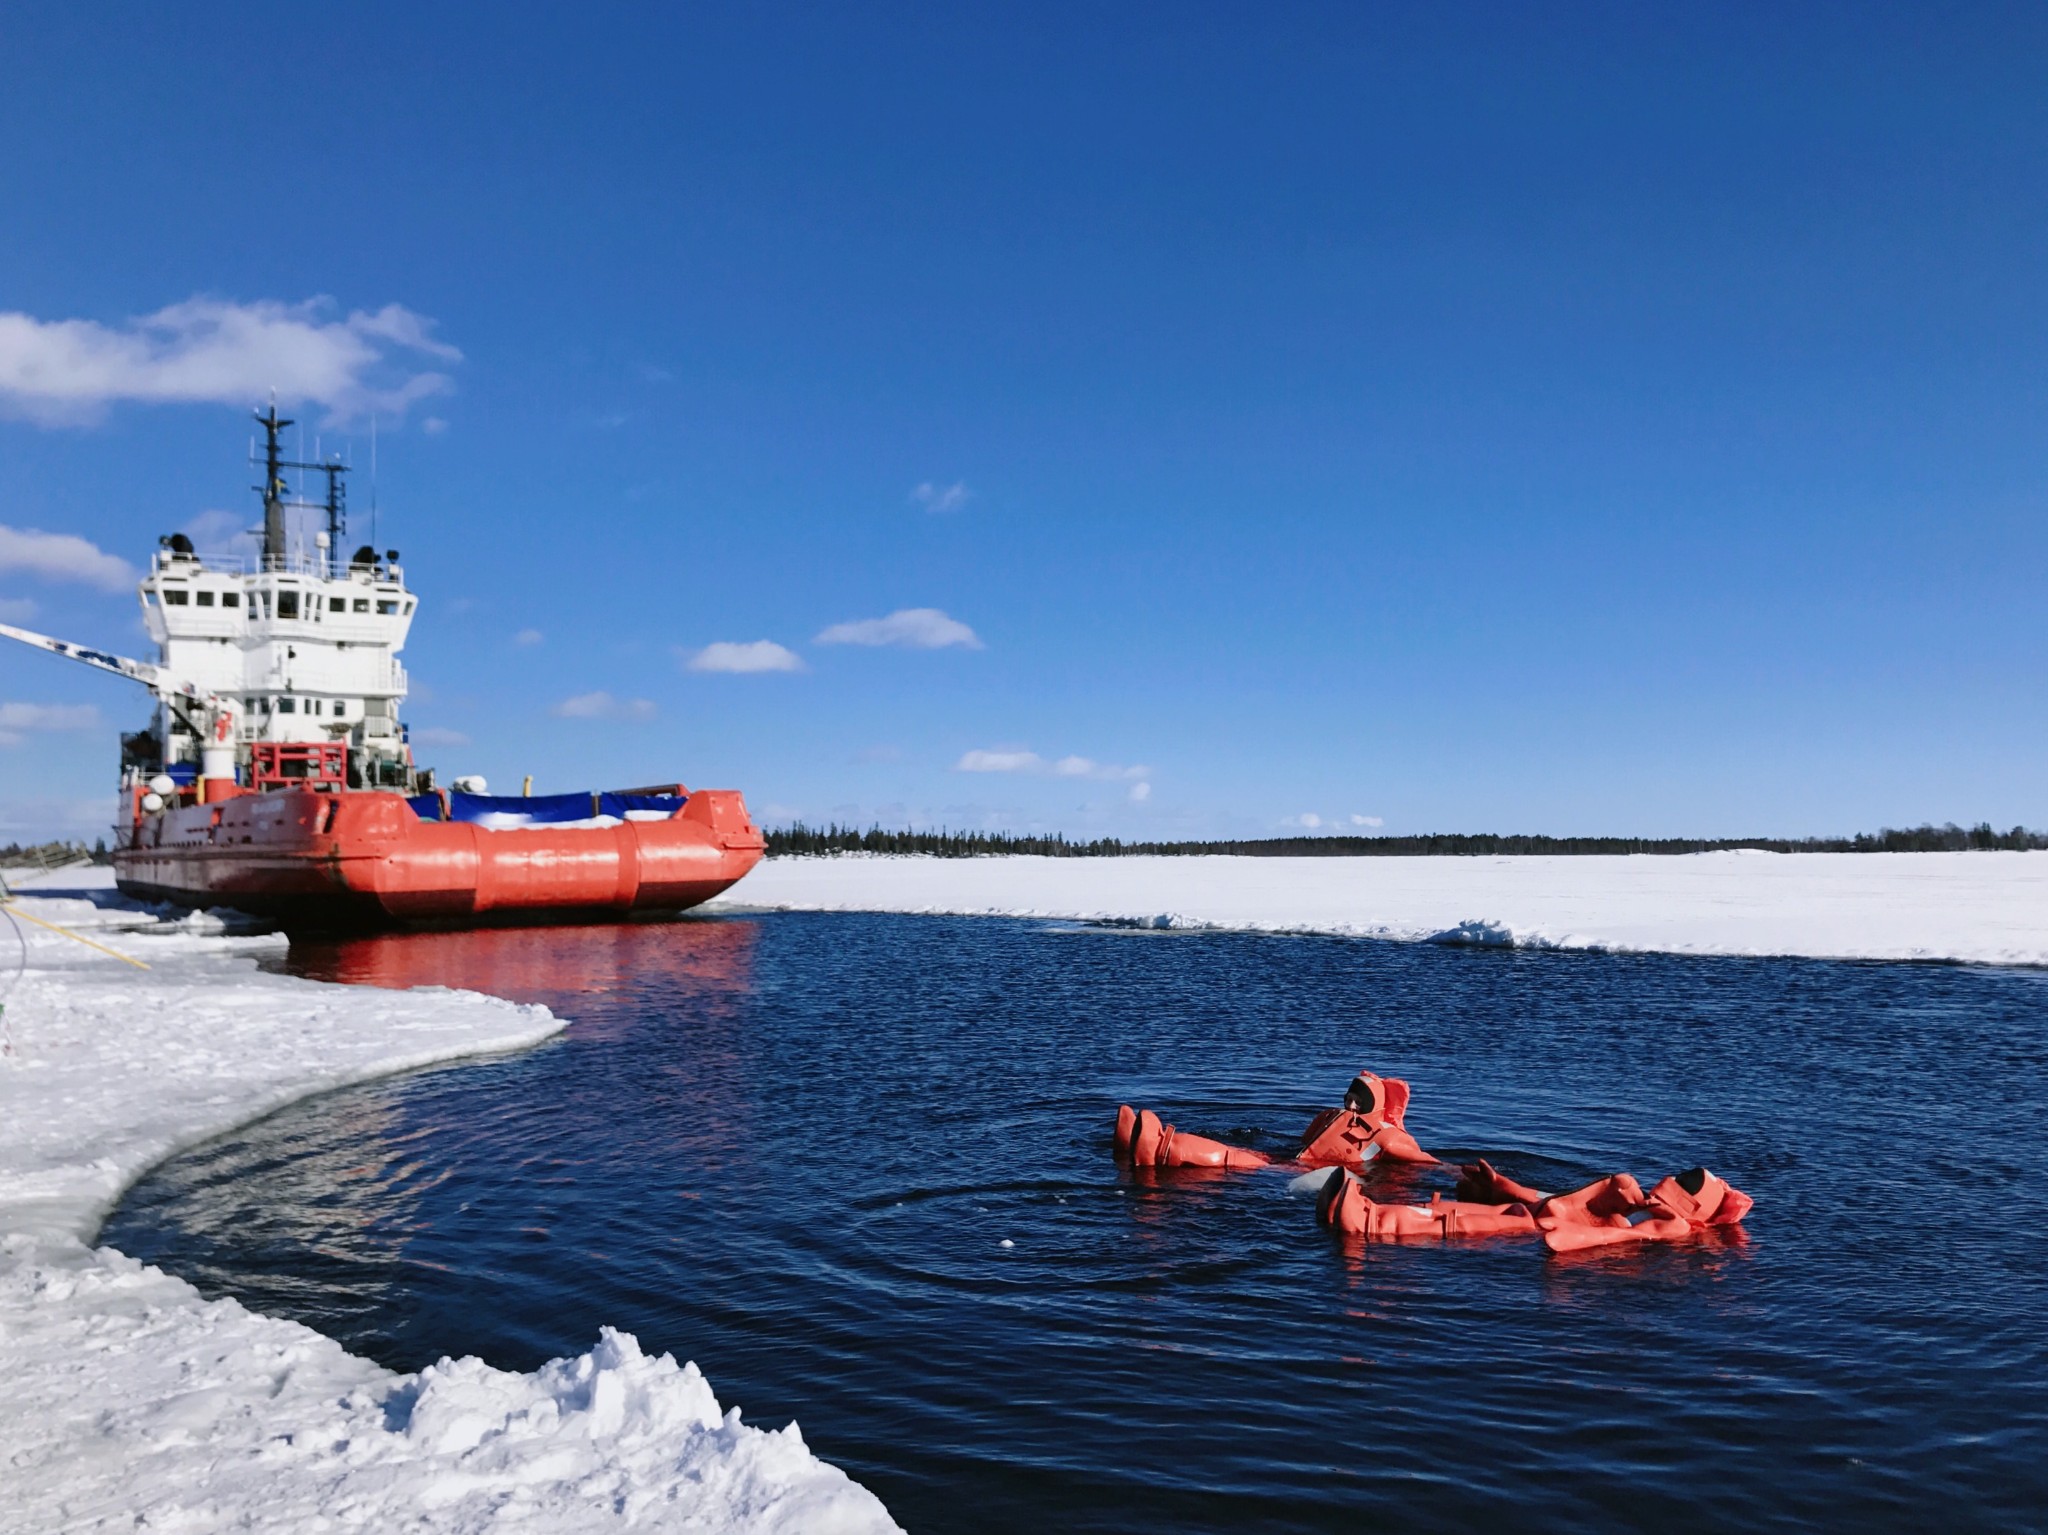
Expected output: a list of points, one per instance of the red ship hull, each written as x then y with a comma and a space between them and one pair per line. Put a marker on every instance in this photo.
321, 859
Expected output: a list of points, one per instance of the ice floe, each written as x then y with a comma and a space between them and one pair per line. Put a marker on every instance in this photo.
132, 1402
1988, 908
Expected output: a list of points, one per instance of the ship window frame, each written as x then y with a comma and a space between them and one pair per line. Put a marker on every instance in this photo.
337, 604
176, 597
287, 705
362, 604
231, 599
387, 608
203, 597
288, 604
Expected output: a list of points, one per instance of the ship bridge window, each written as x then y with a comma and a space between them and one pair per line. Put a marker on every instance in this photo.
287, 604
337, 604
340, 708
386, 608
287, 706
230, 599
362, 604
408, 606
205, 598
176, 597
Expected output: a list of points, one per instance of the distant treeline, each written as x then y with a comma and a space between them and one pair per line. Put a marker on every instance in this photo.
799, 839
49, 855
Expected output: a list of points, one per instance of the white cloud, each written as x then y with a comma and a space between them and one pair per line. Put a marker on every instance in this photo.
212, 350
1087, 767
436, 735
1140, 792
1308, 820
1000, 762
528, 637
16, 610
1015, 759
63, 557
909, 628
433, 426
942, 498
48, 717
42, 820
602, 706
746, 657
1367, 820
17, 718
226, 533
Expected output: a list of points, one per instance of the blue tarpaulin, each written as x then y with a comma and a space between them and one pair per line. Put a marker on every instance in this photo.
543, 809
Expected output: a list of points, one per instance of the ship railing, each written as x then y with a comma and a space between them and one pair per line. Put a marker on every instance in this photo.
234, 562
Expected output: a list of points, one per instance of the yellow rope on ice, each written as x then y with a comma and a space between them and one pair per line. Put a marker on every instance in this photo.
14, 907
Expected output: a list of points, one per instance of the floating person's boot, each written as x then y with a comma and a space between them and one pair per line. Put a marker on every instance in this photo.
1678, 1207
1146, 1142
1371, 1116
1126, 1130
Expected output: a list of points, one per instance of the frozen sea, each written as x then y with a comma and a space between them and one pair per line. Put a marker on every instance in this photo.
857, 1167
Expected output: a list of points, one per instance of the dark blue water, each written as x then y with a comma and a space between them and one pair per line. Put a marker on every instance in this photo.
794, 1149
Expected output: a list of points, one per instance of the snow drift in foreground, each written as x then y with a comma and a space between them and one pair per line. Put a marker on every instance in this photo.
130, 1402
1987, 908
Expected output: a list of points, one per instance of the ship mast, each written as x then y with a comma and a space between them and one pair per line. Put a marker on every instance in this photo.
276, 501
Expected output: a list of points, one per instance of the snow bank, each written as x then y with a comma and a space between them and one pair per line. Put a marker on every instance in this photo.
131, 1402
1987, 908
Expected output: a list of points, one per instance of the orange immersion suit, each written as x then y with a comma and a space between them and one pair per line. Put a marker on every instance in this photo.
1371, 1116
1368, 1125
1597, 1215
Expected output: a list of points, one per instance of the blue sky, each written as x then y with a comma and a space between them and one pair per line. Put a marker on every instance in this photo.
1575, 419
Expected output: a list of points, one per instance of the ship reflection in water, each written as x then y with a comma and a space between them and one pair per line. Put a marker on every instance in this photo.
858, 1168
708, 959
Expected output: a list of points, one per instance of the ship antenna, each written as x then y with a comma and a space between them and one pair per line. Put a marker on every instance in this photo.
373, 479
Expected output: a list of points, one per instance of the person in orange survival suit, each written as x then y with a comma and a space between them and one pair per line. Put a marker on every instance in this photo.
1596, 1215
1370, 1117
1368, 1125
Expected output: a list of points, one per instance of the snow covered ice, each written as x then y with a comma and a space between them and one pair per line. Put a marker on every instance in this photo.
1986, 908
131, 1402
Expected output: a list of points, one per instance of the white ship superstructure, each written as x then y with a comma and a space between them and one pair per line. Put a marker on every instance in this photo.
281, 665
299, 650
293, 646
